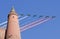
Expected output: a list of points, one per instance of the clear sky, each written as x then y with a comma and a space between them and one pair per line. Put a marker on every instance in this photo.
47, 30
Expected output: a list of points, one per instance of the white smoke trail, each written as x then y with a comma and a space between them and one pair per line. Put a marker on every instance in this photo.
5, 22
33, 24
23, 18
19, 20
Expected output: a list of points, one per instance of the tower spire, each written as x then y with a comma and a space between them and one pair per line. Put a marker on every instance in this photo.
13, 9
12, 12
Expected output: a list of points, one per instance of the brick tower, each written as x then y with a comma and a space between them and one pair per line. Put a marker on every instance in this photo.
13, 29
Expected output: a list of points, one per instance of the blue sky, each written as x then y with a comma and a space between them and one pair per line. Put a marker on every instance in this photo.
47, 30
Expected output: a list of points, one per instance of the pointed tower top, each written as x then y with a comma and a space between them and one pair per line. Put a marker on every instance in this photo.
13, 9
12, 12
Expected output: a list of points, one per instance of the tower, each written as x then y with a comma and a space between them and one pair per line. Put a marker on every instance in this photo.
13, 29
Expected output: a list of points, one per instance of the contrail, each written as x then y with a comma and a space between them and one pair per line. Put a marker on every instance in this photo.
19, 20
4, 22
23, 18
33, 24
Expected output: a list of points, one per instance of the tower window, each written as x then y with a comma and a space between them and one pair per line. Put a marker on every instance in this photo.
13, 16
